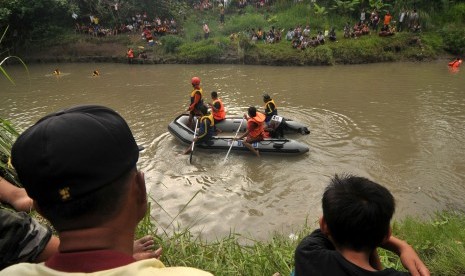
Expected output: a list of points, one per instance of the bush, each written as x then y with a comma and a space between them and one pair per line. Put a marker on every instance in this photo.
321, 55
171, 43
454, 40
203, 51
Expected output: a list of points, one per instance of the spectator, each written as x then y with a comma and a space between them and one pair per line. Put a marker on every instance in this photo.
387, 19
332, 34
79, 167
363, 16
206, 31
400, 24
320, 38
306, 31
356, 220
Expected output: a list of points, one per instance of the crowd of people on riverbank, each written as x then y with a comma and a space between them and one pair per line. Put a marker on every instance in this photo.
137, 23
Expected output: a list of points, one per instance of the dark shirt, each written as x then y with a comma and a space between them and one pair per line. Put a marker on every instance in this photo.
316, 256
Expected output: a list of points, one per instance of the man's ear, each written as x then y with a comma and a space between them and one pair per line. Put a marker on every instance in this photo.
324, 227
140, 181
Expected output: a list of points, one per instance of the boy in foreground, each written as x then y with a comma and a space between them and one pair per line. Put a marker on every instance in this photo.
356, 220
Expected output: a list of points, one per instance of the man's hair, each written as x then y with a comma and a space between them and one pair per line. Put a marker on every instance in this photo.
214, 94
357, 212
90, 210
252, 111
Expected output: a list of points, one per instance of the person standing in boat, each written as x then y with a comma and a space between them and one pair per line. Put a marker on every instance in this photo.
196, 100
270, 107
255, 129
206, 128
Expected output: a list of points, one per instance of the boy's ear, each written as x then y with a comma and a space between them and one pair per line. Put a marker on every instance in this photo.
324, 227
388, 235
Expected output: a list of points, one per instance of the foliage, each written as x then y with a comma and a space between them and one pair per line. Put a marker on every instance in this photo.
439, 241
245, 22
170, 43
203, 51
380, 5
8, 135
319, 11
454, 39
345, 6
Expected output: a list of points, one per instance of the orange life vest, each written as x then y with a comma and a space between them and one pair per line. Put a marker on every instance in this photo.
259, 119
455, 63
219, 114
130, 54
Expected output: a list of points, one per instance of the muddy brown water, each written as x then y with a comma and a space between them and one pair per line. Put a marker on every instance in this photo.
400, 124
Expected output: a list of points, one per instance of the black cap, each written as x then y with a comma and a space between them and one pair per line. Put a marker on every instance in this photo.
73, 152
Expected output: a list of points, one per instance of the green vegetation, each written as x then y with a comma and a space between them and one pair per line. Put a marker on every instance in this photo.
440, 242
442, 25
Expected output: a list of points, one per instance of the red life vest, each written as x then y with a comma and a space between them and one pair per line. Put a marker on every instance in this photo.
259, 120
219, 114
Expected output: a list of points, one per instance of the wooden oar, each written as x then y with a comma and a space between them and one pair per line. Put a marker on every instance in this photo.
193, 140
232, 142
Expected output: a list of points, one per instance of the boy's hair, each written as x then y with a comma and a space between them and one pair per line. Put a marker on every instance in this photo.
252, 111
357, 212
214, 94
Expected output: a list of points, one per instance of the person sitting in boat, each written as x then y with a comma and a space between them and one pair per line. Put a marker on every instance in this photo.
456, 62
218, 111
276, 127
270, 107
196, 100
217, 106
206, 128
255, 129
56, 72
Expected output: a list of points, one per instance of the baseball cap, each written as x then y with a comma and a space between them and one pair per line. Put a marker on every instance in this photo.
73, 152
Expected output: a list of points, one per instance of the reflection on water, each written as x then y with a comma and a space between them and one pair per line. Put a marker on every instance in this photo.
399, 124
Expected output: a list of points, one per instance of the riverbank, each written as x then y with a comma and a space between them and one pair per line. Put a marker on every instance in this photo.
367, 49
440, 243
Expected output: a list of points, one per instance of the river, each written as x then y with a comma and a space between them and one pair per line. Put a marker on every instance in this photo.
400, 124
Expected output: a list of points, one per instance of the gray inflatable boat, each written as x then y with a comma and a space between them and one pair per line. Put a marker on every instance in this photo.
222, 141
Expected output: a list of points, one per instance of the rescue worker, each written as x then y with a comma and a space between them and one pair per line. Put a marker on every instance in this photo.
206, 128
196, 99
255, 129
218, 111
219, 114
270, 107
130, 55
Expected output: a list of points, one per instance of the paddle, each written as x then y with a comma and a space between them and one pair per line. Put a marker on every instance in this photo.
193, 140
232, 142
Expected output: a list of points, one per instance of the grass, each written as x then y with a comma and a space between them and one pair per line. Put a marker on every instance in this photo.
440, 243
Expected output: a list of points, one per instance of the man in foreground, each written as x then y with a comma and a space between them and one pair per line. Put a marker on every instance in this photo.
79, 167
356, 220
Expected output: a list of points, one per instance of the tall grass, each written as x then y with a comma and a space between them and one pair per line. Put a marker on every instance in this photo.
440, 243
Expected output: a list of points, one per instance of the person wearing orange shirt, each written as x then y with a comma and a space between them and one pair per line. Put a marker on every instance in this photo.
255, 129
387, 19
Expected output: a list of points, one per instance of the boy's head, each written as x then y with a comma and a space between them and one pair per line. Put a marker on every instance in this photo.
252, 111
357, 212
214, 95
